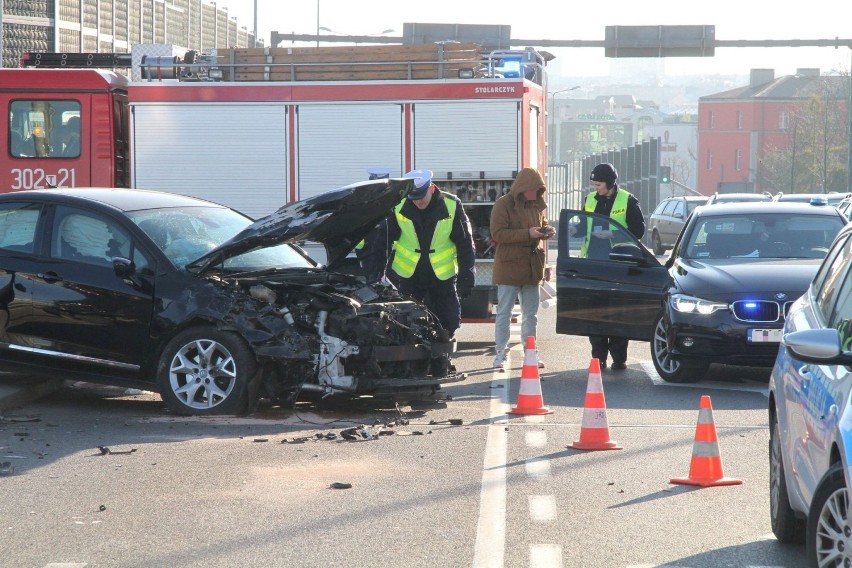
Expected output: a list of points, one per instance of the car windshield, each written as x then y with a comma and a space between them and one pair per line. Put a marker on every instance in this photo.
765, 235
185, 234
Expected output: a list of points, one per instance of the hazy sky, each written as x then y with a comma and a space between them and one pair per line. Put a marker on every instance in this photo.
569, 20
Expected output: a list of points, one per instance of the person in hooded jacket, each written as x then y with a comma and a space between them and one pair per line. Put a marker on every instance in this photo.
519, 227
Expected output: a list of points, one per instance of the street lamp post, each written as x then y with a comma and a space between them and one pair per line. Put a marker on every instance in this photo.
552, 110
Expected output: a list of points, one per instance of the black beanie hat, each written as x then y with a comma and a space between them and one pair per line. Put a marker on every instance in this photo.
606, 173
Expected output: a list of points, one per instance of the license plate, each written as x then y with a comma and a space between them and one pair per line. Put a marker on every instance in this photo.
764, 335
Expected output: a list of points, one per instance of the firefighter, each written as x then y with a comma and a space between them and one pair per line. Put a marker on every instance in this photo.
432, 256
607, 199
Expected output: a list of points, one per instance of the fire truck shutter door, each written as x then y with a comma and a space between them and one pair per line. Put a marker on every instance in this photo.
234, 154
338, 143
467, 136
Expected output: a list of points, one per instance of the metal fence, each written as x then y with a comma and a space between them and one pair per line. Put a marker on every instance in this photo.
638, 169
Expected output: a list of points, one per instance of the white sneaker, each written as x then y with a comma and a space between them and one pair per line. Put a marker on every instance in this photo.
499, 360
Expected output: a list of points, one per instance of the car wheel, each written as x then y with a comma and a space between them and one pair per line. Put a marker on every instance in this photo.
657, 244
828, 521
206, 371
786, 525
670, 369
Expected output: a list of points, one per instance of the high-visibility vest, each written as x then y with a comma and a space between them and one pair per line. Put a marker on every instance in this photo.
617, 214
442, 251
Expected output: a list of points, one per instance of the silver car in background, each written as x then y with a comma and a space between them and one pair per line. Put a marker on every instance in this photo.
810, 416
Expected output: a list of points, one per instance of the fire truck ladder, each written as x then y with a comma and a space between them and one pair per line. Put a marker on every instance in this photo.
76, 60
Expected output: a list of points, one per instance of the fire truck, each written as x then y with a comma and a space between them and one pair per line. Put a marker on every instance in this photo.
257, 128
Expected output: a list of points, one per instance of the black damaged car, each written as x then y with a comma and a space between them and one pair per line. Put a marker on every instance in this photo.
201, 304
721, 297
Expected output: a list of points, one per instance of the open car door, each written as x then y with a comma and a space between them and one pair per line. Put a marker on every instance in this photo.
607, 282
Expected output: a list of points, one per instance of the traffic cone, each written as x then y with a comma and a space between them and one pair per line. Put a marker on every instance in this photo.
594, 433
705, 469
530, 400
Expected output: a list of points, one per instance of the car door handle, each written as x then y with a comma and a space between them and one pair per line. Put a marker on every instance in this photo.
570, 273
50, 276
832, 410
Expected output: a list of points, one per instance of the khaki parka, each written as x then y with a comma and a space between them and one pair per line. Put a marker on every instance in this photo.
519, 260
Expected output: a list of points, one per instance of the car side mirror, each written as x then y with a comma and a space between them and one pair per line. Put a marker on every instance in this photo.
678, 215
820, 346
123, 267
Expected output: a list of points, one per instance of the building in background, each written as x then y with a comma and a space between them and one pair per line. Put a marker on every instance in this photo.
113, 26
787, 134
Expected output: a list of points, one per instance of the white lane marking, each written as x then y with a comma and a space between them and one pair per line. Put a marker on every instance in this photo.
542, 508
545, 556
536, 438
66, 565
490, 545
534, 418
537, 467
649, 369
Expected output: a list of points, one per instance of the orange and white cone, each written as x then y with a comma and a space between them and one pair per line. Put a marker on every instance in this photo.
530, 400
594, 433
705, 469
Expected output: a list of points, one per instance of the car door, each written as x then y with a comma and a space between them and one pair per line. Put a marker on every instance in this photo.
607, 282
19, 263
87, 315
674, 221
821, 391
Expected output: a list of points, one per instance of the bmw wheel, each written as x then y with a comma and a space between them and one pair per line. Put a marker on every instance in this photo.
206, 371
670, 369
787, 527
828, 521
657, 244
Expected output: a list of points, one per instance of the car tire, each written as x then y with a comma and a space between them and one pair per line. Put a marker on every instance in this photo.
657, 244
787, 526
205, 371
828, 518
670, 369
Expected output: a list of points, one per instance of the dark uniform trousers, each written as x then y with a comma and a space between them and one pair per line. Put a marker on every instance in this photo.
616, 346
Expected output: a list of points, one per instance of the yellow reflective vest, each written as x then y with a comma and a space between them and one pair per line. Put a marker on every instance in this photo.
617, 214
442, 251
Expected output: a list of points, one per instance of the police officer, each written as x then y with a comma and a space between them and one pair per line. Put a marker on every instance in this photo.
433, 252
623, 208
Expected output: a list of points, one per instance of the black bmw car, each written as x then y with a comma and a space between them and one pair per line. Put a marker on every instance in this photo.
201, 304
721, 297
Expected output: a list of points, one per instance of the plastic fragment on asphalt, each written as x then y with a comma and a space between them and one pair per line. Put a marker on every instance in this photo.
339, 485
106, 450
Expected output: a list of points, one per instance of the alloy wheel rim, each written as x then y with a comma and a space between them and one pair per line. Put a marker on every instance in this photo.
661, 350
833, 533
202, 374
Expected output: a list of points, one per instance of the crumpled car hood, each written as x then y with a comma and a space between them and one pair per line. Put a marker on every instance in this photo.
338, 219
